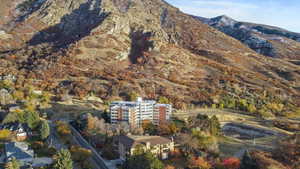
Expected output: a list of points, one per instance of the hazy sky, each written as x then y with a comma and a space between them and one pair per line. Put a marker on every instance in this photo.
282, 13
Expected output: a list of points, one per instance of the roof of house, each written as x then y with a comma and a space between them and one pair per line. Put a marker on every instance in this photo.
18, 150
131, 140
15, 126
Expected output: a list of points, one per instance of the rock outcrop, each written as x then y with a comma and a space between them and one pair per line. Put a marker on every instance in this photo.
266, 40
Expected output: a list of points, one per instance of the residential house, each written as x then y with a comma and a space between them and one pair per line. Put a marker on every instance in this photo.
157, 145
22, 131
20, 151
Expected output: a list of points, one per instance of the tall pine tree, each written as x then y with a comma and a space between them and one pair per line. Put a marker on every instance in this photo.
44, 130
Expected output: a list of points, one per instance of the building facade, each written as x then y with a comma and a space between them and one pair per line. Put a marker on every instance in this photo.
157, 145
138, 112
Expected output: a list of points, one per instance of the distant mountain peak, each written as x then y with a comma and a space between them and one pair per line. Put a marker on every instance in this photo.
264, 39
222, 20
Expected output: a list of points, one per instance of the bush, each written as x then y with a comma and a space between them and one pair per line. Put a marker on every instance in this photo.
265, 114
80, 154
5, 135
163, 100
133, 96
37, 145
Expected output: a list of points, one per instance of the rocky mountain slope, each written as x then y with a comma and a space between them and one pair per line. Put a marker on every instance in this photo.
264, 39
115, 47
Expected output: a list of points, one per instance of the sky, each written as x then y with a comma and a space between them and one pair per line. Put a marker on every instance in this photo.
281, 13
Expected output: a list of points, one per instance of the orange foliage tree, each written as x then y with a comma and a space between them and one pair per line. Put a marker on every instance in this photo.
198, 162
232, 163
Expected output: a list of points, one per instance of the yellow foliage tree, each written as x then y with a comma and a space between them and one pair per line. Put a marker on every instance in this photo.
5, 135
18, 95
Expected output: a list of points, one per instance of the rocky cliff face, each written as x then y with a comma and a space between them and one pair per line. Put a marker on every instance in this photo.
266, 40
114, 47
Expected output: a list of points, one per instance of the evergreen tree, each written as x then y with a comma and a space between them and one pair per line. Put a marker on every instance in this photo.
247, 161
63, 160
144, 160
44, 130
215, 126
32, 118
13, 164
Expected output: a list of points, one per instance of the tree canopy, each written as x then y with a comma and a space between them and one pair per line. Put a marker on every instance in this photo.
44, 130
63, 160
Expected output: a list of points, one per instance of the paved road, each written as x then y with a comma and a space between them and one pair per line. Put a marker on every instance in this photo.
53, 138
95, 156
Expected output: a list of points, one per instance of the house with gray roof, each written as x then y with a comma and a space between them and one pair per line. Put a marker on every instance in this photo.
20, 151
157, 145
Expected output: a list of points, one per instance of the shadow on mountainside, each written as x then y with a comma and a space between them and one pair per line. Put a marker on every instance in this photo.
72, 27
140, 45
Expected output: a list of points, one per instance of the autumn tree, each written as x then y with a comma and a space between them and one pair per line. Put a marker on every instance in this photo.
173, 128
150, 128
18, 95
95, 124
163, 129
189, 143
80, 153
163, 100
137, 131
169, 167
45, 99
232, 163
90, 122
132, 96
198, 163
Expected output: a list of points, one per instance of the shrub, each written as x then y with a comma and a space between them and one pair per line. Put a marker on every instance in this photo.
5, 135
163, 100
80, 153
37, 145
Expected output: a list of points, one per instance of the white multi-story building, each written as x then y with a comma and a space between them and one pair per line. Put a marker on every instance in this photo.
140, 111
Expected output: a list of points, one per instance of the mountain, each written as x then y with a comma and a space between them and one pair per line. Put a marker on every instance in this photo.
116, 47
266, 40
